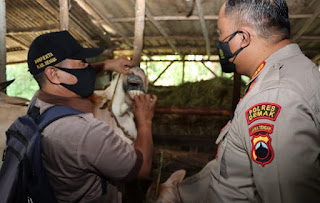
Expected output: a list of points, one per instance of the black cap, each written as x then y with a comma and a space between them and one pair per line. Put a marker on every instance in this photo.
52, 48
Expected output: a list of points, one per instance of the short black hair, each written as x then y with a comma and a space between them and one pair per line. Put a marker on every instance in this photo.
269, 18
40, 78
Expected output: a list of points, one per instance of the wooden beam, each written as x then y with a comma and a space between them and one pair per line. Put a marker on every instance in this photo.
307, 24
97, 20
203, 27
185, 37
81, 32
73, 25
163, 72
191, 18
49, 8
188, 60
98, 10
204, 111
163, 18
180, 37
17, 62
309, 37
31, 30
3, 30
162, 31
182, 48
140, 9
64, 14
24, 46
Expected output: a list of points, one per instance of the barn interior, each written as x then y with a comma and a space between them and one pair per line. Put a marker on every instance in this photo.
189, 115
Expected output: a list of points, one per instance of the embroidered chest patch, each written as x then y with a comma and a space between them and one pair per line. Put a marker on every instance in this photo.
261, 152
263, 110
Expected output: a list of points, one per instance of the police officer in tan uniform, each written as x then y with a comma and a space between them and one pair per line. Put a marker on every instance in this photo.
270, 149
78, 150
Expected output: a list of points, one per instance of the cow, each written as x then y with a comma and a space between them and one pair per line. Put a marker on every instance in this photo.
114, 105
178, 190
10, 109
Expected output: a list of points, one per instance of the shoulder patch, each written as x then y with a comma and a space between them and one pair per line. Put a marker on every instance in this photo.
263, 111
261, 152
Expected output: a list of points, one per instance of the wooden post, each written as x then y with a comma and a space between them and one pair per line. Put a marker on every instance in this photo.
3, 50
183, 67
138, 31
64, 14
203, 27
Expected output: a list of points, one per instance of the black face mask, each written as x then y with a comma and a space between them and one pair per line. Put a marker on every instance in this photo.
86, 80
225, 54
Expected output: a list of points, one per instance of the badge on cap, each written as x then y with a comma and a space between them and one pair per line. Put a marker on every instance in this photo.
45, 60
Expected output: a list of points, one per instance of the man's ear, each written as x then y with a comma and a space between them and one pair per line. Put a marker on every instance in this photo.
246, 37
51, 74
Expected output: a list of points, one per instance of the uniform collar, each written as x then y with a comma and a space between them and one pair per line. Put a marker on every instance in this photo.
251, 83
285, 52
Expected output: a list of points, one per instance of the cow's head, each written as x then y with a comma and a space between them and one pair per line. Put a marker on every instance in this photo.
120, 93
166, 192
135, 83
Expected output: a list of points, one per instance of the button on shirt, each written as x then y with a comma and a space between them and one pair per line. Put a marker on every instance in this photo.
270, 150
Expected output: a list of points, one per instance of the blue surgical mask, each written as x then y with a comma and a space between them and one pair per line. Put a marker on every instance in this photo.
225, 54
86, 80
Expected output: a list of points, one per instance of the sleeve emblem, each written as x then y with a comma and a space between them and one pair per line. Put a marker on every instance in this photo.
263, 111
261, 152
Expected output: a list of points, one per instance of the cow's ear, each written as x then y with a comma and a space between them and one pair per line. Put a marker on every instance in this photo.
176, 177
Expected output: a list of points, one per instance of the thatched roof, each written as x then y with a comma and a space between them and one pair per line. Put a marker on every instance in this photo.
168, 30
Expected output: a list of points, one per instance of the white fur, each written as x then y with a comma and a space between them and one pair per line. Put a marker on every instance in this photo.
122, 106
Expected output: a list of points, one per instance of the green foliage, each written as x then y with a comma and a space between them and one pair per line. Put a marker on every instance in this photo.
215, 93
173, 76
24, 85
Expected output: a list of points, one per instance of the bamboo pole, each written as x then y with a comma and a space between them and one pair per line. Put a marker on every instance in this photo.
138, 31
203, 27
64, 14
3, 30
183, 69
162, 72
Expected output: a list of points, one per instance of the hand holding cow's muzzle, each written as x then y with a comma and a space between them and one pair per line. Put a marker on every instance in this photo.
144, 106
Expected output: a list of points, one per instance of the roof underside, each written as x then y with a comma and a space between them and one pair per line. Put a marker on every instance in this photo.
168, 30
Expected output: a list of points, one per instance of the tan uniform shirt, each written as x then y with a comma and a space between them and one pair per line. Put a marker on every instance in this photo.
77, 150
270, 150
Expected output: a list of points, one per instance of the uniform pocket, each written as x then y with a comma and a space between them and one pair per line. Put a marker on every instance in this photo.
222, 142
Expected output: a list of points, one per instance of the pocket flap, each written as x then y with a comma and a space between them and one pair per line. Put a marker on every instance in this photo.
223, 132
